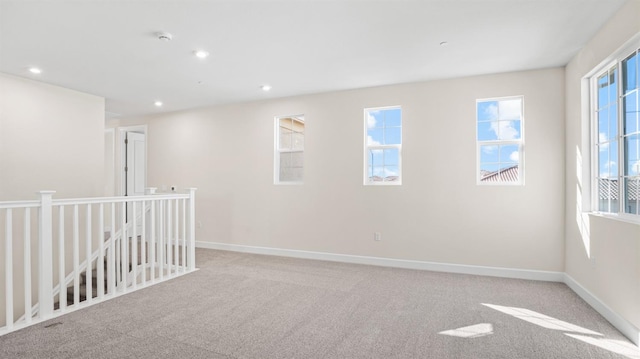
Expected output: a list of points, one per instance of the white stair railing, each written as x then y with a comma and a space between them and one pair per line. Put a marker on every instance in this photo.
156, 244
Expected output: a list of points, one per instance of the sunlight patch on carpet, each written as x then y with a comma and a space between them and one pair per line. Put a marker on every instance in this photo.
615, 346
542, 320
472, 331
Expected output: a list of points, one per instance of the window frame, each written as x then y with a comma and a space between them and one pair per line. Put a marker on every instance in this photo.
498, 142
367, 147
278, 151
615, 61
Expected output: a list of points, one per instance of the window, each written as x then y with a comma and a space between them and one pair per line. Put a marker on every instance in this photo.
500, 140
616, 136
383, 146
289, 156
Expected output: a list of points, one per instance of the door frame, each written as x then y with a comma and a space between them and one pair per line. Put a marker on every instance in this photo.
122, 157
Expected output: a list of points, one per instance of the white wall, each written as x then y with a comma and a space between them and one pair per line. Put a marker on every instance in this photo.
438, 214
51, 138
602, 254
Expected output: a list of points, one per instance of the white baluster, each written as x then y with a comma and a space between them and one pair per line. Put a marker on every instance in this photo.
111, 266
100, 259
152, 245
184, 235
124, 270
8, 269
176, 238
192, 228
45, 255
76, 256
27, 265
134, 244
169, 235
88, 286
62, 297
143, 244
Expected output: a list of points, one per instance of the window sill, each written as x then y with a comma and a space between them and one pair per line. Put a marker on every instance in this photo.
375, 184
617, 217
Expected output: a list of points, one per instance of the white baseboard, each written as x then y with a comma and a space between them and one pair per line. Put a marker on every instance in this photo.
626, 328
389, 262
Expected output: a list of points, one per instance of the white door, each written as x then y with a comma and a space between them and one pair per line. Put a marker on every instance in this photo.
135, 170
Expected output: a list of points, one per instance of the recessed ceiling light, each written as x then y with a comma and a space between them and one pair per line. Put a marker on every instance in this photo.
35, 70
201, 54
158, 103
265, 88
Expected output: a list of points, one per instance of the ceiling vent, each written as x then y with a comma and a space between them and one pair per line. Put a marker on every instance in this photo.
164, 36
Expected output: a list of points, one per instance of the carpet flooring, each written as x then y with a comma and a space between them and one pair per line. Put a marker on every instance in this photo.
251, 306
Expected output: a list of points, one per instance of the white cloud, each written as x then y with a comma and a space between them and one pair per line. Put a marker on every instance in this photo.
372, 142
371, 120
504, 130
608, 166
602, 137
510, 109
491, 112
388, 172
515, 156
489, 149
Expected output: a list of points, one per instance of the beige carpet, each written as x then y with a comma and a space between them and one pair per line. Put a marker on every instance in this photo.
252, 306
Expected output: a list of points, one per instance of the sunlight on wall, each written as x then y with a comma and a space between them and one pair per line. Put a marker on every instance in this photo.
472, 331
582, 218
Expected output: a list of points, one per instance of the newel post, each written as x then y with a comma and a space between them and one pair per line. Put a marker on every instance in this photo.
45, 254
192, 228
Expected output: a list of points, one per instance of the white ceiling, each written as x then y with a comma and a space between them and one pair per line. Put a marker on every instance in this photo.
110, 48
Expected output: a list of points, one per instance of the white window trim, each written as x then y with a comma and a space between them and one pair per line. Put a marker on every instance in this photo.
615, 59
366, 181
520, 143
277, 151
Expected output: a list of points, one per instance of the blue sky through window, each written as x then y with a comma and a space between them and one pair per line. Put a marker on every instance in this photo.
499, 132
384, 136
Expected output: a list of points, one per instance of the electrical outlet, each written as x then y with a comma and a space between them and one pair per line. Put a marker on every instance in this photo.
377, 236
199, 224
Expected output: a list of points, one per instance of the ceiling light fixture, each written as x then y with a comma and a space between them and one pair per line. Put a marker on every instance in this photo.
265, 88
35, 70
164, 36
201, 54
444, 43
158, 103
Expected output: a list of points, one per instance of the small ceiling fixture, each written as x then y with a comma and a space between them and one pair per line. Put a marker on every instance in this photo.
164, 36
35, 70
444, 43
265, 88
158, 103
201, 54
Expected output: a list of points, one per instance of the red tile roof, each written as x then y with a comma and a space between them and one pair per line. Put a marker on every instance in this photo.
508, 174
